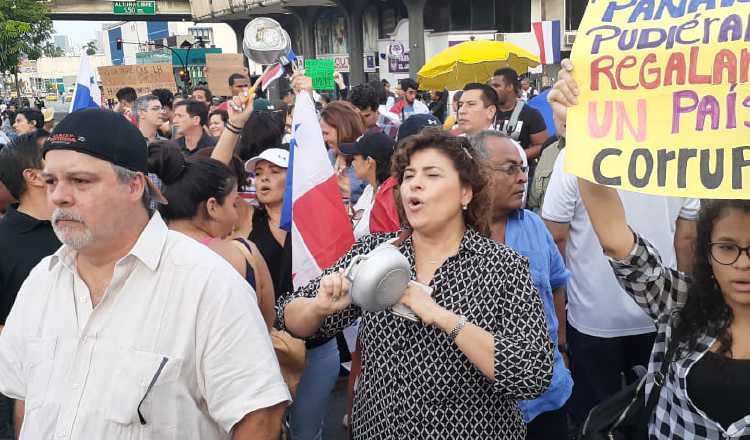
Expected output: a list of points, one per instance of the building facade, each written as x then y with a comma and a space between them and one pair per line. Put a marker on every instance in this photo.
393, 38
215, 35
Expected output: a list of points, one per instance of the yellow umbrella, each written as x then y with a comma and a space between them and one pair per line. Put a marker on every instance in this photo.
473, 61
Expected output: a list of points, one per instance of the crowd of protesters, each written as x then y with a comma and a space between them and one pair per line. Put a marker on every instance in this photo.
169, 310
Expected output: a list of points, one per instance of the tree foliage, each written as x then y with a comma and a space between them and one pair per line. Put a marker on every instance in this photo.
90, 47
24, 29
52, 51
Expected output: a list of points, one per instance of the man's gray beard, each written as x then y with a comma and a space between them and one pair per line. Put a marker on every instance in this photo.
75, 240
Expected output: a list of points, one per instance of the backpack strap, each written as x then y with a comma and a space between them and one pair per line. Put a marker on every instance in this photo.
513, 121
661, 377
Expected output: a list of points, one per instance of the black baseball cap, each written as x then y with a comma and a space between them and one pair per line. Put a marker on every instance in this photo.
106, 135
416, 123
376, 145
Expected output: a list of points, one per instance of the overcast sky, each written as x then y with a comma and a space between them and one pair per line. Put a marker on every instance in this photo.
79, 32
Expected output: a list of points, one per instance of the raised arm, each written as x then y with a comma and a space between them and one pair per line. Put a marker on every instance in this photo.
228, 140
608, 218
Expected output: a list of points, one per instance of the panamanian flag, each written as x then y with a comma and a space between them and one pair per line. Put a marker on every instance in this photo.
313, 209
87, 93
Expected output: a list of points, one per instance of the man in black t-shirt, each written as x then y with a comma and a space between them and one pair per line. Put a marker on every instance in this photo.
528, 127
25, 233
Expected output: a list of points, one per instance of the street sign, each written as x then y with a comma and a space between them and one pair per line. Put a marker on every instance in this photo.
134, 7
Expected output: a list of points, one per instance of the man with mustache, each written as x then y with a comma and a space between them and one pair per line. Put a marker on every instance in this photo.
26, 235
525, 232
131, 330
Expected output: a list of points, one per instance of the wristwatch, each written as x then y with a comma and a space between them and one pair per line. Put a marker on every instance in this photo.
459, 326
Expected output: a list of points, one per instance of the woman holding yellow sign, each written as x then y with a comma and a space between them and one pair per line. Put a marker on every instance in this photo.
702, 350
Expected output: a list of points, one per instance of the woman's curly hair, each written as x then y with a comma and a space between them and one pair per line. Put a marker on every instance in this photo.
472, 171
706, 310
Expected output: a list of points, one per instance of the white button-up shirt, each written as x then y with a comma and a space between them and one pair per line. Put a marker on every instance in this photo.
177, 348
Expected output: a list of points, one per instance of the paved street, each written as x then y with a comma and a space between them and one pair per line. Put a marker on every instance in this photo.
61, 108
333, 429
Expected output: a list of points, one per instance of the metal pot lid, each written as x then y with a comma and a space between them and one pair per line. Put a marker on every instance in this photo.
264, 40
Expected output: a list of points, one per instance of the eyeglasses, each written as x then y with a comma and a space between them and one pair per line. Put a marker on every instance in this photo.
727, 253
156, 109
512, 169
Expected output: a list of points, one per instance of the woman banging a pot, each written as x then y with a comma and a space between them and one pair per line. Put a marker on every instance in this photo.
481, 342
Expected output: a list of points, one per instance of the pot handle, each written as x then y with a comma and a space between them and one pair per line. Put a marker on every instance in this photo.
352, 264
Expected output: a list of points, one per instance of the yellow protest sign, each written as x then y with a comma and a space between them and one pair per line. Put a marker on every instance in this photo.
665, 99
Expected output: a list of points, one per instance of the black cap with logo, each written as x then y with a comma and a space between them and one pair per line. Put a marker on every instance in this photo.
105, 135
376, 145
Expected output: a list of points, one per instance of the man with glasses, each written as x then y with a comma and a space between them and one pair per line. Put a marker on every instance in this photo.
525, 232
608, 333
149, 115
410, 105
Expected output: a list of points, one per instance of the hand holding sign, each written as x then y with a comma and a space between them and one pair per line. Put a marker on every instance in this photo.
322, 73
665, 98
565, 92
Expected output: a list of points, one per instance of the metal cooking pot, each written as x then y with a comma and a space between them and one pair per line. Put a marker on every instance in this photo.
379, 278
265, 41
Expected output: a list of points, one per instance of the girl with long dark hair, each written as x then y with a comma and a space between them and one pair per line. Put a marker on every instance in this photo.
705, 315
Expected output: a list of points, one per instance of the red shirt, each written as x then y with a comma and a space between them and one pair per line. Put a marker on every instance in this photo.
384, 215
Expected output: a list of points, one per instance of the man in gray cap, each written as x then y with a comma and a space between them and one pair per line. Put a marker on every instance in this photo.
131, 330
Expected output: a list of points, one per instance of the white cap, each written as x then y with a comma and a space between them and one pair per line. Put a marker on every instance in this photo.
276, 156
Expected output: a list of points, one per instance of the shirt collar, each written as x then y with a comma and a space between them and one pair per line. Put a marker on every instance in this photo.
148, 248
21, 221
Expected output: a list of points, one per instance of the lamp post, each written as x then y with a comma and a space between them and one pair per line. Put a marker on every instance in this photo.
184, 71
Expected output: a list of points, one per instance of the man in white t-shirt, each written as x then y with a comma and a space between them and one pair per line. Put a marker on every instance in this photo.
608, 334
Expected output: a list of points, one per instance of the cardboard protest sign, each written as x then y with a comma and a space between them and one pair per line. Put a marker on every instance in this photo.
142, 77
665, 99
218, 69
321, 72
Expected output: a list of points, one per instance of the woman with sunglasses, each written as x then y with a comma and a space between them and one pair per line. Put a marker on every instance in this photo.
706, 394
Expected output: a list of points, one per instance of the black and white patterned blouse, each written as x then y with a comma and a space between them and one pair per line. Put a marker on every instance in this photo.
416, 383
662, 292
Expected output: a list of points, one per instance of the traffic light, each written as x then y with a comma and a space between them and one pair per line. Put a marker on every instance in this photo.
184, 75
119, 44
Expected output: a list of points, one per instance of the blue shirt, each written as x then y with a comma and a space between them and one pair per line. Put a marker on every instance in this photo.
526, 233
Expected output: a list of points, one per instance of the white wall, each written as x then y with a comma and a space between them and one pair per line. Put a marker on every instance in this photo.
434, 43
224, 36
61, 67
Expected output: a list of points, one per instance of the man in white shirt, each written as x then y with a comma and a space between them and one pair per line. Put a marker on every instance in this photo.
608, 333
131, 330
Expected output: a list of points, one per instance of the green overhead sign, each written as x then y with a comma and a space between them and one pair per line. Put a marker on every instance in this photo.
134, 8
